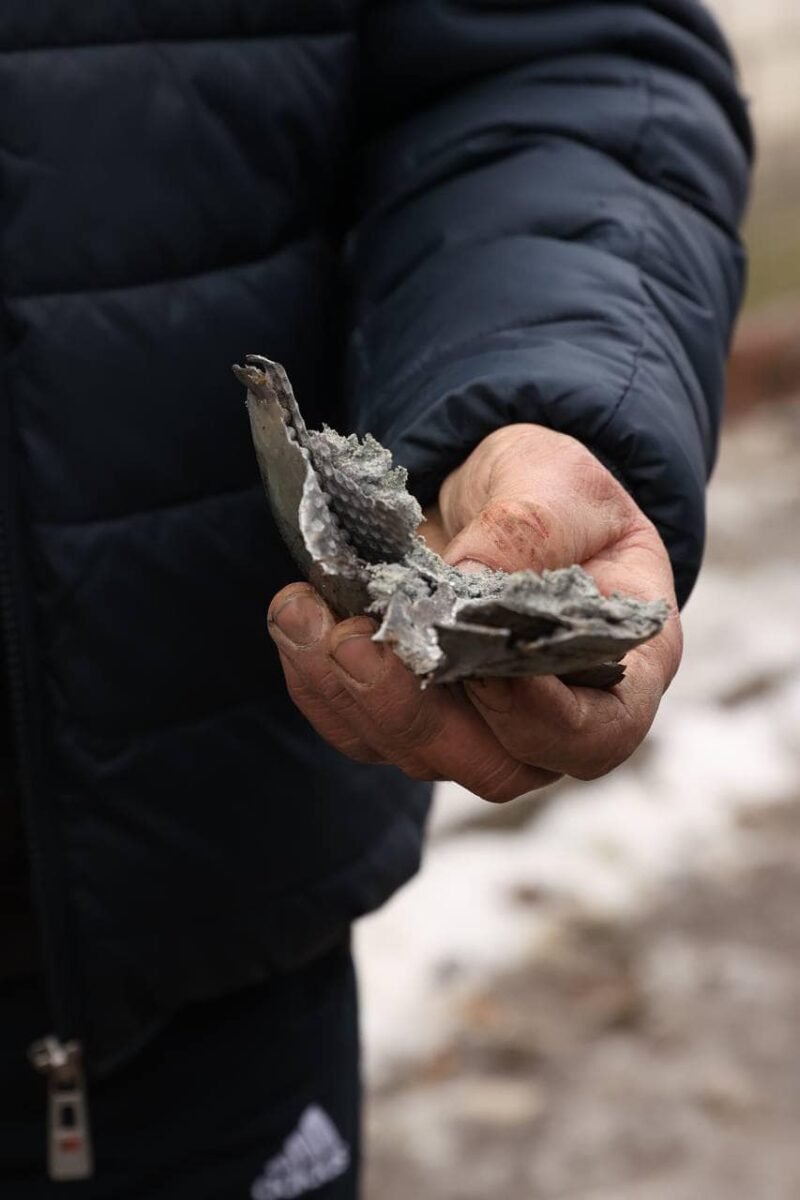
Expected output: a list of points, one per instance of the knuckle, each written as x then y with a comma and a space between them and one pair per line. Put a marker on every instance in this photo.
323, 688
353, 627
325, 708
603, 758
505, 781
602, 734
588, 771
408, 723
518, 531
298, 690
527, 743
576, 716
419, 770
329, 688
298, 695
597, 481
502, 446
290, 592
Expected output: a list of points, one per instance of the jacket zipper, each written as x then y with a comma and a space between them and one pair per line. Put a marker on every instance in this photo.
69, 1141
52, 939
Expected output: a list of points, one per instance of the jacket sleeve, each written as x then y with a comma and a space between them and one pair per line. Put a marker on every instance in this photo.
547, 232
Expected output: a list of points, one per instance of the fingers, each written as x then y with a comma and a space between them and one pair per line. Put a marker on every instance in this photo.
578, 731
585, 732
430, 733
299, 622
638, 565
361, 698
513, 736
526, 497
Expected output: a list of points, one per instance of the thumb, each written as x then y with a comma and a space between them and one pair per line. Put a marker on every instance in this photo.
513, 535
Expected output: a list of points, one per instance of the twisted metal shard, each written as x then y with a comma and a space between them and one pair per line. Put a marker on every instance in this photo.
351, 527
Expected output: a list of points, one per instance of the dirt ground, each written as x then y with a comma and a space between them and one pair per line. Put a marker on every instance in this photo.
659, 1061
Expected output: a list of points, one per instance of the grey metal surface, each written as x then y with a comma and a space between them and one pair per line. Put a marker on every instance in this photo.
344, 512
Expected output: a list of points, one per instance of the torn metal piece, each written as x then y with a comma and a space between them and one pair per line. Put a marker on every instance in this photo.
344, 512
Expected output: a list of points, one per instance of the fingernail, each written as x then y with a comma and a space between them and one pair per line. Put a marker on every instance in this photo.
494, 694
300, 620
360, 658
471, 566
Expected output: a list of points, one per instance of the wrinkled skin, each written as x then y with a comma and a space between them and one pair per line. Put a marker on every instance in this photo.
525, 497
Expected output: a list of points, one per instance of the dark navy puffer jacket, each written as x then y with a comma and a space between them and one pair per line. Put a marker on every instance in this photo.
543, 229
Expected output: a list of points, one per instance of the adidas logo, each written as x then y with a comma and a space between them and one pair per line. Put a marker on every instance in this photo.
312, 1155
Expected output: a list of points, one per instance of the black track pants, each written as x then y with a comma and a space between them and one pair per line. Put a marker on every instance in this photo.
254, 1097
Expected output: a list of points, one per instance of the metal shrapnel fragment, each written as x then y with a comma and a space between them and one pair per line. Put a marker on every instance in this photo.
351, 526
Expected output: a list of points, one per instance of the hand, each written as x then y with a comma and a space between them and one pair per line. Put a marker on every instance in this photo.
525, 497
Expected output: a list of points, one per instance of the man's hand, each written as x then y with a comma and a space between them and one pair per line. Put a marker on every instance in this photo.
525, 497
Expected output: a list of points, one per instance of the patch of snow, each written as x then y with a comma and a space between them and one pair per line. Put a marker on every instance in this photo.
727, 739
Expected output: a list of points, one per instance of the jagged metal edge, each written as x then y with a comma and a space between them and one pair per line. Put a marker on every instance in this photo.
433, 616
300, 508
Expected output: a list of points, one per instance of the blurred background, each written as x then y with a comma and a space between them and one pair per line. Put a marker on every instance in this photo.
595, 995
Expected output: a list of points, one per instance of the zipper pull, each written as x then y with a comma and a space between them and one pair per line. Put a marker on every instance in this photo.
69, 1140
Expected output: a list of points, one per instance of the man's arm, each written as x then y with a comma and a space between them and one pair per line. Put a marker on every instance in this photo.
550, 208
546, 275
